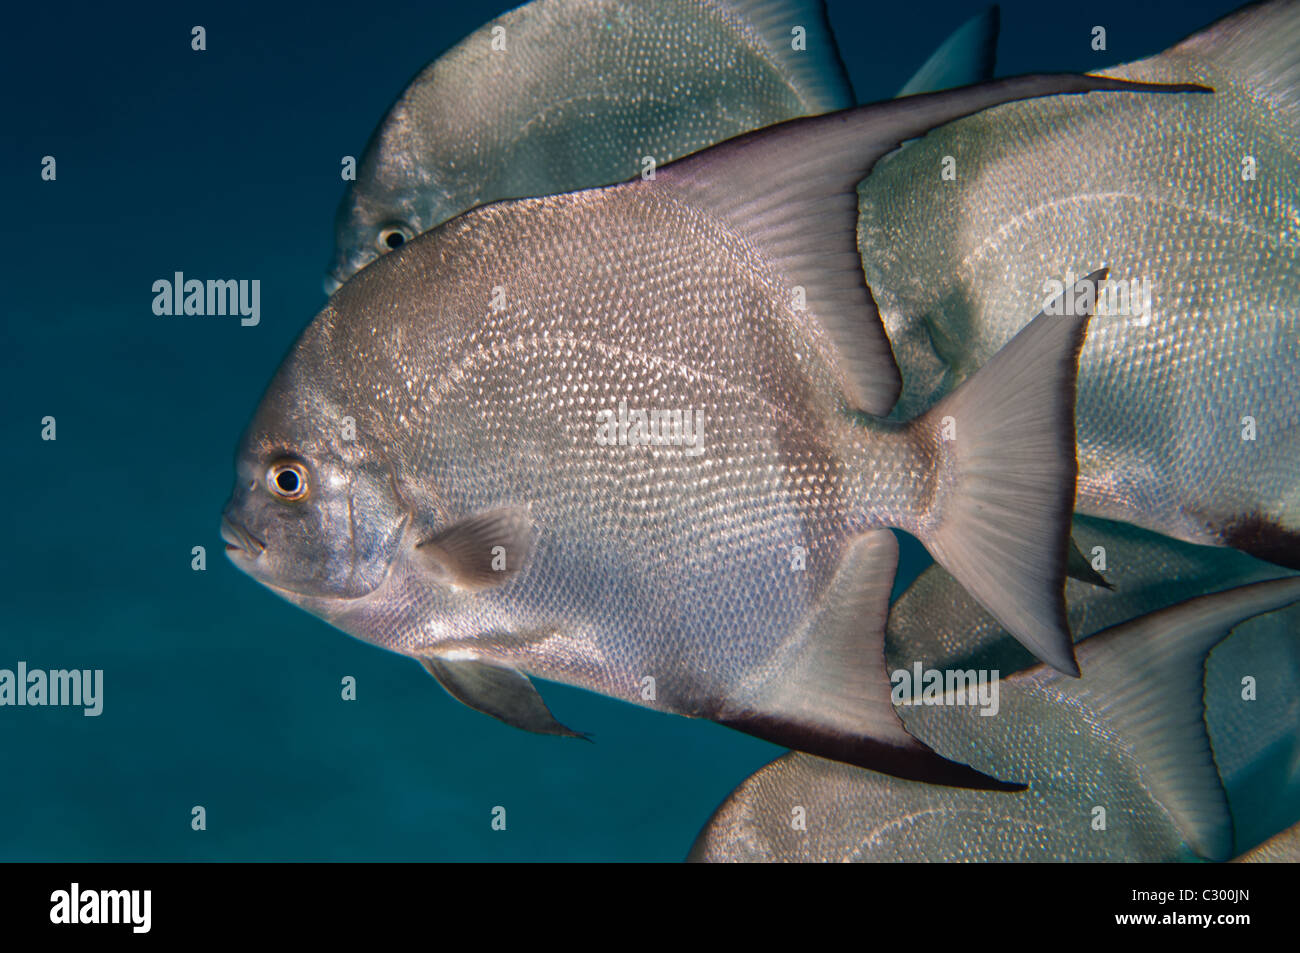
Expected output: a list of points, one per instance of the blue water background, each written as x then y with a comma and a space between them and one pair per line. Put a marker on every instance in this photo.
226, 164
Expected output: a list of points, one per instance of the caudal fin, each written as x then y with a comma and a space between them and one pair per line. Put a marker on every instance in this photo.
1004, 446
1148, 676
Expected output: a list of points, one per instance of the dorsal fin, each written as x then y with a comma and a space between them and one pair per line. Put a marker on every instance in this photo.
966, 57
833, 696
790, 189
815, 70
1148, 676
1260, 43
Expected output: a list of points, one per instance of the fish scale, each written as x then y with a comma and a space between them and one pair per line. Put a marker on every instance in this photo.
583, 90
1153, 188
470, 501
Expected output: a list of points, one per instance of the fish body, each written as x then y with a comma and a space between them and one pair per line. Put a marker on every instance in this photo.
629, 439
1118, 763
1283, 848
559, 95
1188, 417
1252, 706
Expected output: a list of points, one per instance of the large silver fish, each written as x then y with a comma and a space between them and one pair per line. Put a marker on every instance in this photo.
559, 95
624, 439
1119, 763
1193, 200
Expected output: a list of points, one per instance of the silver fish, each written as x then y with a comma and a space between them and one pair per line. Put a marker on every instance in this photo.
1283, 848
586, 89
624, 439
1119, 763
1256, 741
559, 95
1200, 327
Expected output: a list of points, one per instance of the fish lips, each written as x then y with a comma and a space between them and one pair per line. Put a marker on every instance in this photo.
240, 542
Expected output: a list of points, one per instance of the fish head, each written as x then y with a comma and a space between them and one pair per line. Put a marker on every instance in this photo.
316, 514
398, 193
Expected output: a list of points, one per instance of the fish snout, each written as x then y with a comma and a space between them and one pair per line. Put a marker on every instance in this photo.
239, 539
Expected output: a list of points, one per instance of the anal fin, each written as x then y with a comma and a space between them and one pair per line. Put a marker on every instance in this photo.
832, 698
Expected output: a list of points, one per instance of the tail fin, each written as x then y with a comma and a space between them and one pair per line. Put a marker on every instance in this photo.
1149, 677
1005, 439
791, 189
832, 696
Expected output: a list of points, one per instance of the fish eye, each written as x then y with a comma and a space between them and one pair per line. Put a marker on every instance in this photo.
392, 237
287, 479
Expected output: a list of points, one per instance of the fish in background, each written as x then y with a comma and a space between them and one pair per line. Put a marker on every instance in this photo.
630, 439
1188, 410
1283, 848
1119, 763
1256, 742
584, 90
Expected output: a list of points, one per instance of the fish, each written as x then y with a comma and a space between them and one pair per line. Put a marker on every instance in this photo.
1282, 848
1188, 417
1118, 763
630, 439
1256, 742
558, 95
585, 90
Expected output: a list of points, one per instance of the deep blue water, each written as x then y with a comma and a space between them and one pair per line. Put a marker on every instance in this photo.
225, 163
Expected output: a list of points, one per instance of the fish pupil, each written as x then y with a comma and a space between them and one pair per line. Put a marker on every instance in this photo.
395, 240
287, 481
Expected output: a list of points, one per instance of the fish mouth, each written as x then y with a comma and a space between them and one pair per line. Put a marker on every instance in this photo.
239, 539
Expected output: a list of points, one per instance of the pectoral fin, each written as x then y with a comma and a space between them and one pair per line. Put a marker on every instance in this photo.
501, 692
483, 550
